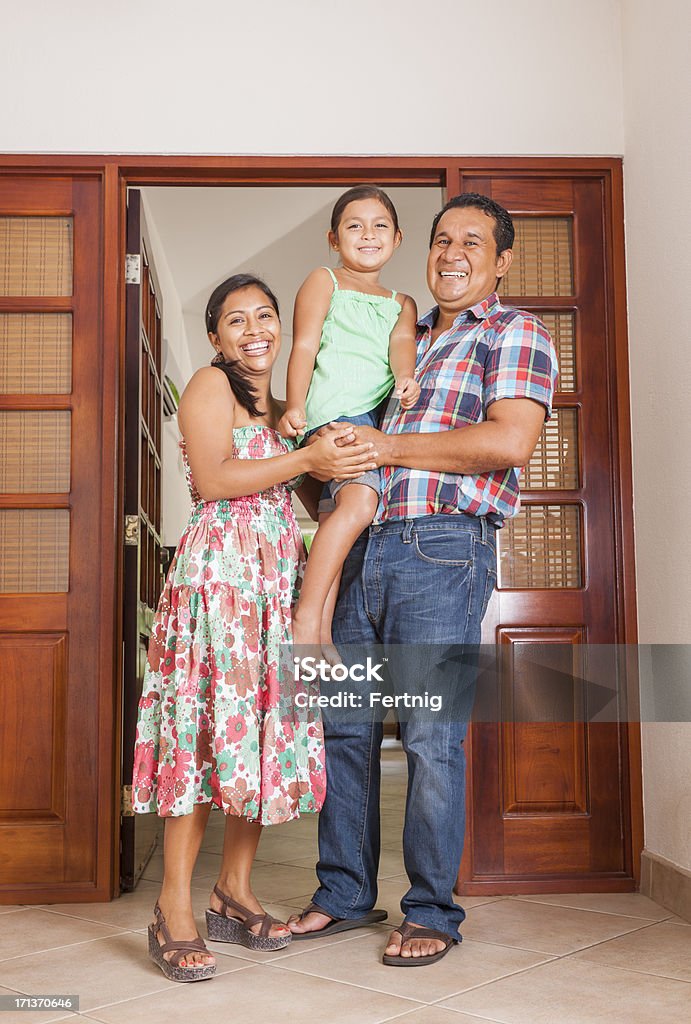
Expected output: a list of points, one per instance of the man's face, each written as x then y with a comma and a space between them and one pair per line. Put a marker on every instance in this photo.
463, 266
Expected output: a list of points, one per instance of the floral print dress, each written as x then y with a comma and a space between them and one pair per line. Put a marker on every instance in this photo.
218, 720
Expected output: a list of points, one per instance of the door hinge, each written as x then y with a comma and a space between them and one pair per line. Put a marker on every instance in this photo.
126, 802
131, 531
133, 268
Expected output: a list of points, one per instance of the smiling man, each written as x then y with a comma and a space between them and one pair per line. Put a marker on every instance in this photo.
420, 580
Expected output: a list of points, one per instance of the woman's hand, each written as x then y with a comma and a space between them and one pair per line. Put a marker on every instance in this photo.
331, 461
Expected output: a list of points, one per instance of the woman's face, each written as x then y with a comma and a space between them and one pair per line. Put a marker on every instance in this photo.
248, 330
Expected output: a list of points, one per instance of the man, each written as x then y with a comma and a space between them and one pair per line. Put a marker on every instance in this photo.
424, 576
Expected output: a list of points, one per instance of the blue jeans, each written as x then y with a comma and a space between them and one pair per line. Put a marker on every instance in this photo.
420, 588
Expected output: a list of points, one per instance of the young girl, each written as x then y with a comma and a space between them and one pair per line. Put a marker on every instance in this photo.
353, 341
211, 728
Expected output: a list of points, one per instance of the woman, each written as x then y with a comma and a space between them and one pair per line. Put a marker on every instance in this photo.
209, 728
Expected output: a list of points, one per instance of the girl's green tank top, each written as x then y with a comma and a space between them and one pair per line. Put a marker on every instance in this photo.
352, 372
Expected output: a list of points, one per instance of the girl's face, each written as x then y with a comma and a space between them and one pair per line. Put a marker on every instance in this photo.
366, 238
248, 330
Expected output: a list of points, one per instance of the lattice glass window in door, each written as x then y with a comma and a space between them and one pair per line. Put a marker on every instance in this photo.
542, 258
34, 550
540, 548
35, 353
554, 465
35, 448
36, 256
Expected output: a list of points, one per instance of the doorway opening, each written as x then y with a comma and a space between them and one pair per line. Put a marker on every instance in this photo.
193, 237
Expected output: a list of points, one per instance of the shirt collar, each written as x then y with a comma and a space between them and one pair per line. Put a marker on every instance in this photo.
481, 311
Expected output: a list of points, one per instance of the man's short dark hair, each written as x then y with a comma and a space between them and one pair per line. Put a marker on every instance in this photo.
503, 230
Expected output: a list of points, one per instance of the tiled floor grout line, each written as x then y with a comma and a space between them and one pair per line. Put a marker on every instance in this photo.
590, 910
154, 992
407, 1013
88, 920
602, 942
502, 977
560, 956
629, 970
68, 945
553, 958
420, 1003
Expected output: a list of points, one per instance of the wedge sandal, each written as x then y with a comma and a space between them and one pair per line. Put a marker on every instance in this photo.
171, 968
223, 927
408, 931
337, 924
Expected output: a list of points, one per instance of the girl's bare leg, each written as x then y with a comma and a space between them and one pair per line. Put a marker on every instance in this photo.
182, 838
355, 508
327, 645
329, 650
240, 842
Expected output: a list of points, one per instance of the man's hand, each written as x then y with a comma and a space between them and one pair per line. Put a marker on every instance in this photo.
292, 422
407, 391
383, 443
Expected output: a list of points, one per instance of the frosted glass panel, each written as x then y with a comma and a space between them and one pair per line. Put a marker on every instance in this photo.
35, 450
542, 258
34, 550
35, 353
35, 256
562, 327
541, 548
555, 460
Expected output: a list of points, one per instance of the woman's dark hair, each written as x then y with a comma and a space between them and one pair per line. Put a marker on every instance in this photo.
245, 392
356, 193
503, 229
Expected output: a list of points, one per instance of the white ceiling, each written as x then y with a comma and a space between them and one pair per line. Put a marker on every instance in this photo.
279, 233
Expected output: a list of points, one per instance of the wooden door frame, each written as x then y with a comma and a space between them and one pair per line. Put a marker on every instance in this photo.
117, 172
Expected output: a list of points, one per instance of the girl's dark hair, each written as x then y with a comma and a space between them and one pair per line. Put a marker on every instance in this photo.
362, 192
245, 393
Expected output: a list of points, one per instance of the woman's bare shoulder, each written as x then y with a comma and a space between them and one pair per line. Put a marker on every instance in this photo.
206, 390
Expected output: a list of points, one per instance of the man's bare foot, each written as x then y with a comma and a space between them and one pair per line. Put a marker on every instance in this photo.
412, 947
181, 926
312, 922
250, 901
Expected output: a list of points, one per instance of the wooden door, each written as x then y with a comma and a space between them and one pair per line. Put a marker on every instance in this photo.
143, 575
548, 800
55, 761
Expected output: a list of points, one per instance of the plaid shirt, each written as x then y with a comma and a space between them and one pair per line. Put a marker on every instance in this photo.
489, 353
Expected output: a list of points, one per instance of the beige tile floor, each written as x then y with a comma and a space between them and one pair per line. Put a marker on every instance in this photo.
577, 959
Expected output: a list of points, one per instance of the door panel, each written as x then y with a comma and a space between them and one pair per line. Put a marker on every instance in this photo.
548, 798
143, 576
51, 762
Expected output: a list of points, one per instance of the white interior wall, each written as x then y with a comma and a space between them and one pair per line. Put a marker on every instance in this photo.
313, 76
175, 501
658, 198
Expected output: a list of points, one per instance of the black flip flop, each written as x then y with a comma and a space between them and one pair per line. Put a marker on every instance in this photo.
337, 924
408, 931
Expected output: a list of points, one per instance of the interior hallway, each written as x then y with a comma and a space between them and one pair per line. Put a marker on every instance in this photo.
528, 960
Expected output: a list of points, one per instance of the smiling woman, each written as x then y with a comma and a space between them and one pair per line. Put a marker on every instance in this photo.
209, 726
